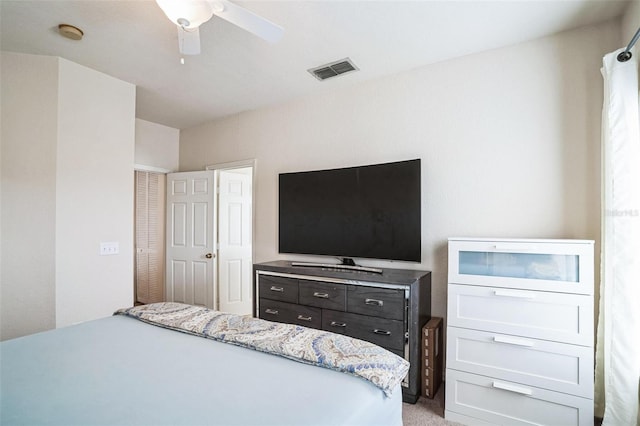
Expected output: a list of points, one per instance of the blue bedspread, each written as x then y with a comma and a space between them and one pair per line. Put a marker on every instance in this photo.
121, 371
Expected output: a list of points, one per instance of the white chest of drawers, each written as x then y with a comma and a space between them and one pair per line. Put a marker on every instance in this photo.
520, 332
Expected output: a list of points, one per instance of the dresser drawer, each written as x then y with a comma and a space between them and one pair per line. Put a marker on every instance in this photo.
383, 332
273, 310
555, 366
558, 317
278, 288
322, 295
502, 402
547, 265
374, 301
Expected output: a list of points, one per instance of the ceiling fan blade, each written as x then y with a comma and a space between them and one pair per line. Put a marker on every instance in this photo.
247, 20
189, 41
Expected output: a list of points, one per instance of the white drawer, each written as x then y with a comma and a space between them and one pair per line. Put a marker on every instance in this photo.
550, 365
501, 402
564, 266
558, 317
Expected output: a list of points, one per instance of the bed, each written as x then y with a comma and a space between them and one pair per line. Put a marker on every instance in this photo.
125, 370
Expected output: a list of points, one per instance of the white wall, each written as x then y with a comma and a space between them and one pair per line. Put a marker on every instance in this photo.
509, 142
157, 146
67, 184
630, 24
29, 137
94, 186
630, 21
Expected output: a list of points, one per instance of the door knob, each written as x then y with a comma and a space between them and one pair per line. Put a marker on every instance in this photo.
209, 255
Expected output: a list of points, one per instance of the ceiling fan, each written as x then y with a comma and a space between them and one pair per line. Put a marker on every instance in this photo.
188, 15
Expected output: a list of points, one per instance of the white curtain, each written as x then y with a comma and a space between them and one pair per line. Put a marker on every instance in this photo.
618, 339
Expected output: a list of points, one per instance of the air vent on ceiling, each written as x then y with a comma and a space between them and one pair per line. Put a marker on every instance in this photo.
333, 69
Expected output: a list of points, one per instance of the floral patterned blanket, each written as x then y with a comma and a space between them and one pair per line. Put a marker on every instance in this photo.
322, 348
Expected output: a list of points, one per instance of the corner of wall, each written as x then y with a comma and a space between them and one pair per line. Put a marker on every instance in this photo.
94, 201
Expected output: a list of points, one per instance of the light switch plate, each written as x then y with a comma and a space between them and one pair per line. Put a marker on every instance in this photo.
109, 248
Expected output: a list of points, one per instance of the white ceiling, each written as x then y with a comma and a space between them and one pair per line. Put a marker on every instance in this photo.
237, 71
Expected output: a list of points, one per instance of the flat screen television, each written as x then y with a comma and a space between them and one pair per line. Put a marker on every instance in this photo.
370, 211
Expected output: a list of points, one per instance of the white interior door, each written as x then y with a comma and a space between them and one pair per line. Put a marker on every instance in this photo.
190, 238
234, 227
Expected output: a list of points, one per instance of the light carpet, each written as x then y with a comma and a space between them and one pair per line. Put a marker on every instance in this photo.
426, 412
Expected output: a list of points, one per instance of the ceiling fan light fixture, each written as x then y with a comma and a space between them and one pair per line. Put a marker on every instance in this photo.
193, 12
188, 15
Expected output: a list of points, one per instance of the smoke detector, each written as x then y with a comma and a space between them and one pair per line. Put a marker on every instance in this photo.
70, 31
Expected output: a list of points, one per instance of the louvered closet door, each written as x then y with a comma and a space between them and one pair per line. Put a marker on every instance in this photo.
150, 212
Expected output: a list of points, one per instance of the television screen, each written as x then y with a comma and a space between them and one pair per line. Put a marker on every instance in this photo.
367, 212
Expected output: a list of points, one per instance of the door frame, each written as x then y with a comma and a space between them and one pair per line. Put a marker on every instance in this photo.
241, 164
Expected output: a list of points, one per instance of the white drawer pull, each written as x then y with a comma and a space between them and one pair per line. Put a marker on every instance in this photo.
373, 302
516, 294
512, 388
512, 341
278, 289
303, 318
271, 312
321, 295
338, 324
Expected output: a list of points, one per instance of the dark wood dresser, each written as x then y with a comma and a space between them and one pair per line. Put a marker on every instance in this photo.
388, 308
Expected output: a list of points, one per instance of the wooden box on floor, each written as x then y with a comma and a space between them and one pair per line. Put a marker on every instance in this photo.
431, 357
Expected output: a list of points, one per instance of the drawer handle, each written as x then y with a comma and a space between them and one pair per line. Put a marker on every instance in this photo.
303, 318
382, 332
278, 289
338, 324
321, 295
512, 341
271, 311
373, 302
515, 294
512, 388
